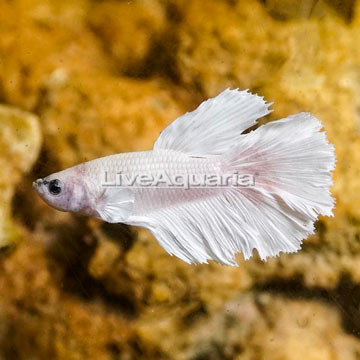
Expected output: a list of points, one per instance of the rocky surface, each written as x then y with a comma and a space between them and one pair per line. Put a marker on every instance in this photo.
131, 32
20, 141
102, 77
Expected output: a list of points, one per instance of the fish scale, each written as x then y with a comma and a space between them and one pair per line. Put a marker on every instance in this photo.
152, 163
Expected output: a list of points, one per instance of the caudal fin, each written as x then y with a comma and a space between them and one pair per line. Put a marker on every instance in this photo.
291, 161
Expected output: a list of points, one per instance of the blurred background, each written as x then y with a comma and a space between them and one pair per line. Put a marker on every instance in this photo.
87, 78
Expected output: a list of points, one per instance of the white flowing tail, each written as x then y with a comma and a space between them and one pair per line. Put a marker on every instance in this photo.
291, 162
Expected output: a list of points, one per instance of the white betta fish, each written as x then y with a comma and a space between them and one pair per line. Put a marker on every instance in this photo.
178, 190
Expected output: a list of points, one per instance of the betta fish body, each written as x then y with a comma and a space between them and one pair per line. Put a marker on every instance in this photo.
187, 192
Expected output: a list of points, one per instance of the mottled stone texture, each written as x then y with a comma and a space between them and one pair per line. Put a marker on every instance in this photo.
20, 141
100, 77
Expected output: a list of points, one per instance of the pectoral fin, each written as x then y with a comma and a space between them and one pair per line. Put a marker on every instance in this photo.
115, 205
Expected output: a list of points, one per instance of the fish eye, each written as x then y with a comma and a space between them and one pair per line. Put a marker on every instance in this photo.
55, 187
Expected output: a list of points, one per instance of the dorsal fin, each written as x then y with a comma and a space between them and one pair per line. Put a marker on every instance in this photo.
215, 126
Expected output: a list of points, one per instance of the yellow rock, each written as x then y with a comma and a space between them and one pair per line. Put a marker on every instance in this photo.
250, 326
44, 36
20, 140
87, 117
130, 30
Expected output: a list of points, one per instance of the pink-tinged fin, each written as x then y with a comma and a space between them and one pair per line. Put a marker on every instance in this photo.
292, 161
115, 205
215, 126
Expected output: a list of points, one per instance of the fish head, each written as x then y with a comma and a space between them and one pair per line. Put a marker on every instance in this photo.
67, 190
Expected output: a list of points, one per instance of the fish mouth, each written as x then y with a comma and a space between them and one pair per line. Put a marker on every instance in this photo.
38, 185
